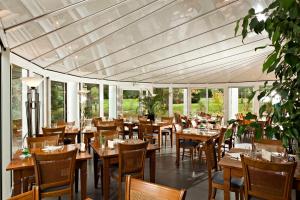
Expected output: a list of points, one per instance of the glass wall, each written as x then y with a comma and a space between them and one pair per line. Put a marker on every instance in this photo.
92, 108
216, 101
198, 101
130, 104
106, 100
58, 101
18, 95
178, 100
164, 93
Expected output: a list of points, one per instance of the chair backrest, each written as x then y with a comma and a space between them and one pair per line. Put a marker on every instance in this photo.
211, 158
145, 127
132, 159
62, 163
120, 125
142, 118
30, 195
96, 121
219, 141
39, 142
267, 180
269, 145
61, 123
137, 189
55, 131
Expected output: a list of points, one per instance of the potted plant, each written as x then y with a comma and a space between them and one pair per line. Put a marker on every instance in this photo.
151, 104
282, 25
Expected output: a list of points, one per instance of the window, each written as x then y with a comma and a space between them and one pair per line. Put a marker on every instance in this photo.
164, 93
130, 103
58, 101
216, 101
18, 98
198, 101
243, 95
106, 100
92, 108
178, 100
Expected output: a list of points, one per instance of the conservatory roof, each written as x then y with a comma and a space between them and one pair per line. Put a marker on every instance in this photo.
155, 41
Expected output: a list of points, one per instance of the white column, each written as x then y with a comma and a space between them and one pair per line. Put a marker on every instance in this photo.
47, 102
226, 105
171, 102
73, 102
185, 101
233, 102
112, 101
5, 123
189, 100
101, 99
206, 100
255, 102
24, 99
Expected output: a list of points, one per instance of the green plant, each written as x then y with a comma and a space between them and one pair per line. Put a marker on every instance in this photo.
152, 103
282, 24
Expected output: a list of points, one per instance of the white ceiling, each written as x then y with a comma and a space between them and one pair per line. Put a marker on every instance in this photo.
155, 41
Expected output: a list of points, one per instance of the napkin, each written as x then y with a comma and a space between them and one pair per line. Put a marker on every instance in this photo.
235, 155
266, 155
52, 148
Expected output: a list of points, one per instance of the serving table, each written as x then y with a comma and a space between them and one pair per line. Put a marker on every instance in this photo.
232, 167
110, 156
195, 135
23, 168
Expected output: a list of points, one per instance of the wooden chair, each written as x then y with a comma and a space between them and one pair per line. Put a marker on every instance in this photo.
219, 141
269, 145
61, 123
54, 173
136, 189
131, 162
215, 177
120, 127
168, 131
146, 131
60, 131
267, 180
30, 195
40, 142
96, 121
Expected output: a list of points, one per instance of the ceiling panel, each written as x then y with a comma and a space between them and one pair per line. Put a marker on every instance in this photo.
158, 41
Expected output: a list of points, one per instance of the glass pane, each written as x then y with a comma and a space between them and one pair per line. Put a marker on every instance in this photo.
198, 101
106, 100
164, 92
92, 108
130, 104
216, 101
178, 100
244, 105
57, 101
17, 94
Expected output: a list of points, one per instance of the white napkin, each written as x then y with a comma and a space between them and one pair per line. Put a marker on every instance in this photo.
266, 155
110, 144
52, 148
235, 155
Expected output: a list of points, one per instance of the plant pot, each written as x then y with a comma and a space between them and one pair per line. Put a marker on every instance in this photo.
151, 117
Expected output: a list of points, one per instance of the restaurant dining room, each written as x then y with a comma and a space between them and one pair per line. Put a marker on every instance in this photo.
150, 99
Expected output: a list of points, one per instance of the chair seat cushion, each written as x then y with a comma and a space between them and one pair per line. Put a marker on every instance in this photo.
188, 143
218, 177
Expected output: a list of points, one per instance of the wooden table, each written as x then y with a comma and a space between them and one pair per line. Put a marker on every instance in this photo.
195, 135
24, 168
110, 156
233, 168
130, 126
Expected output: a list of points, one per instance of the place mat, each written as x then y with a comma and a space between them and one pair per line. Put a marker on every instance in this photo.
235, 156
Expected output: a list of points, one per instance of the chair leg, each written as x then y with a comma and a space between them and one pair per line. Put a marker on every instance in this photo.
119, 190
171, 138
214, 192
165, 140
236, 194
183, 149
241, 194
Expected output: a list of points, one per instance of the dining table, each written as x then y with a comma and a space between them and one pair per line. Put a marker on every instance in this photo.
22, 168
194, 134
110, 156
232, 167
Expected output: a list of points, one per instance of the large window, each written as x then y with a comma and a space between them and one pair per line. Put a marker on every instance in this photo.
178, 100
164, 93
106, 100
92, 108
198, 101
58, 101
18, 93
130, 103
216, 101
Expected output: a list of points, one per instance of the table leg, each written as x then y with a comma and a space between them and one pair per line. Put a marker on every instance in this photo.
17, 177
96, 172
78, 137
226, 175
106, 177
83, 178
76, 180
152, 166
130, 132
177, 151
159, 138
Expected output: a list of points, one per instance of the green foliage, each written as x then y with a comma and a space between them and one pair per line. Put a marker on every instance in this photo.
152, 103
92, 106
282, 25
57, 101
